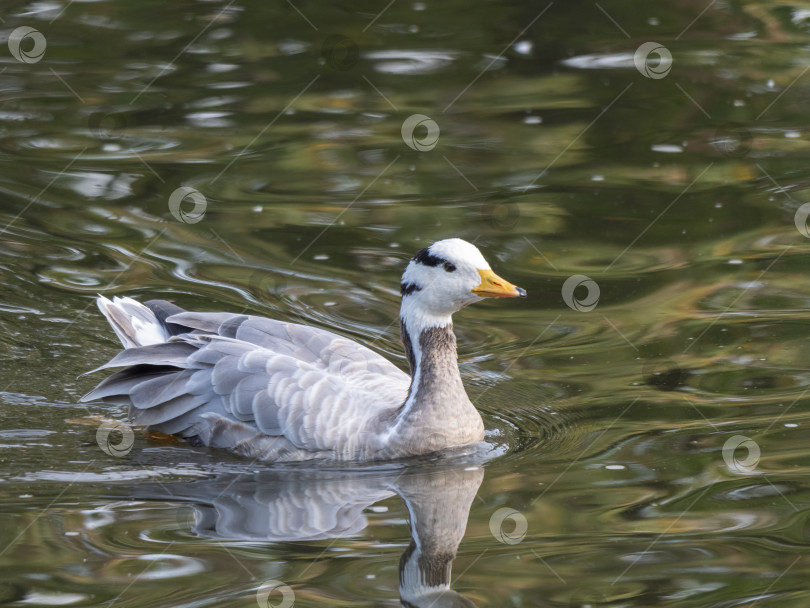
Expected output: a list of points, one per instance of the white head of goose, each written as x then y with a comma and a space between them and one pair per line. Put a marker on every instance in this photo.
280, 391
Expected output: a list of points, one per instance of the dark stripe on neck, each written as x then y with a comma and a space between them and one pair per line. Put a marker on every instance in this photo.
438, 355
428, 259
406, 343
438, 362
407, 289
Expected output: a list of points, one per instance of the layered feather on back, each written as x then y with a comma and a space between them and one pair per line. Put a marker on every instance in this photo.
264, 388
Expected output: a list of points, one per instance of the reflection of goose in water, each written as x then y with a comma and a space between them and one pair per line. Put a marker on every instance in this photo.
280, 391
439, 505
288, 505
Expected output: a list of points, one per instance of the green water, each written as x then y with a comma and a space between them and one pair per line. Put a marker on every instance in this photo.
675, 188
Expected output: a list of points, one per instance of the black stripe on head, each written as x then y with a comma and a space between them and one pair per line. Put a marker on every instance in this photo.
407, 289
428, 259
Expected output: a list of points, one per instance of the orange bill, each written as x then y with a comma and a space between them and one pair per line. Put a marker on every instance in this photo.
493, 286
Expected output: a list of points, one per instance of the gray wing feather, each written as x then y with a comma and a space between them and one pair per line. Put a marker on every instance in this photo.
122, 381
259, 386
227, 373
241, 398
168, 353
200, 382
265, 413
204, 321
162, 389
191, 423
168, 410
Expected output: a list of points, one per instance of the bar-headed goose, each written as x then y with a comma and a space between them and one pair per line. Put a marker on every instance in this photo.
280, 391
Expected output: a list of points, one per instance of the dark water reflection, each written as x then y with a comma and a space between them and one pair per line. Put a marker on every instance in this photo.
295, 506
654, 443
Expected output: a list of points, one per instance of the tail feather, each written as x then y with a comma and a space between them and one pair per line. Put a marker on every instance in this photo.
122, 381
163, 310
133, 323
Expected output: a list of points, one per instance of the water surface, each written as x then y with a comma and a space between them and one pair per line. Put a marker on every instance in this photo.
646, 421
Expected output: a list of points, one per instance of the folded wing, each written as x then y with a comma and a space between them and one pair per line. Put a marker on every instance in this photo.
263, 387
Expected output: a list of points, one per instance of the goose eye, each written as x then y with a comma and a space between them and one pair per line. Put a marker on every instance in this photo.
449, 267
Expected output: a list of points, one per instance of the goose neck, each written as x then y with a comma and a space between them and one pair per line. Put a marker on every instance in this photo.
437, 412
432, 357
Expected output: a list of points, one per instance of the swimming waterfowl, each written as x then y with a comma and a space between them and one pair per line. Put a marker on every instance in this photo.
279, 391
